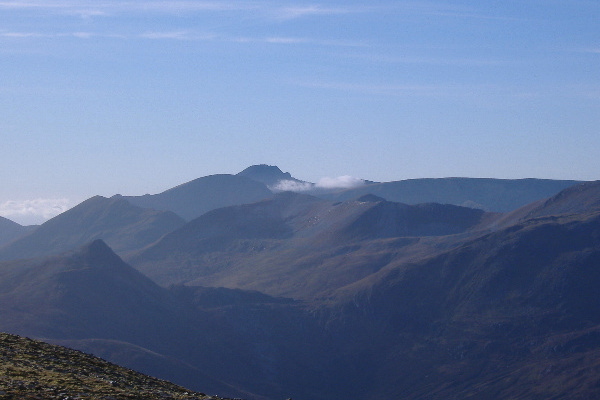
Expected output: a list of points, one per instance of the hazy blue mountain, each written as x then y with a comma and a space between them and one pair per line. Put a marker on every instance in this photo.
498, 195
297, 245
88, 291
512, 314
115, 220
194, 198
10, 230
581, 198
216, 340
270, 175
90, 297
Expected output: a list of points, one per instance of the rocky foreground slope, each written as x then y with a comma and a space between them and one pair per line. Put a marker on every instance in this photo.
30, 369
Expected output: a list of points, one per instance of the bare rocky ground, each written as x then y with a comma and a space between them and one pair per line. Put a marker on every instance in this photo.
30, 369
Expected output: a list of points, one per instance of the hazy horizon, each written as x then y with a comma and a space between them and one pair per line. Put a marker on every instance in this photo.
37, 211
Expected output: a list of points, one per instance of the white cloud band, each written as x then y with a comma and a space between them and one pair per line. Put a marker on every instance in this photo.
33, 211
341, 182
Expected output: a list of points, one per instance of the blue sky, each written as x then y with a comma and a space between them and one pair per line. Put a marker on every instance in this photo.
134, 97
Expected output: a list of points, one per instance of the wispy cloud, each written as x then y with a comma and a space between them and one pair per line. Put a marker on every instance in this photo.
104, 8
267, 9
128, 5
326, 183
277, 40
46, 35
292, 186
286, 13
341, 182
34, 211
22, 34
176, 35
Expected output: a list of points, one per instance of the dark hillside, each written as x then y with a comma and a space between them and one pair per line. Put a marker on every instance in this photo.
89, 292
388, 219
580, 198
514, 314
237, 343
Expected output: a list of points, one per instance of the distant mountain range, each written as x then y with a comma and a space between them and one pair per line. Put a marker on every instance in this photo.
129, 223
327, 293
498, 195
280, 244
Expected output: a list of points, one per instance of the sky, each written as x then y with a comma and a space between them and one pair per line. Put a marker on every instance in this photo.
134, 97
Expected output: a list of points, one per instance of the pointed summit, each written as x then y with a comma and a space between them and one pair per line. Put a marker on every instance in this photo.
96, 247
267, 174
98, 251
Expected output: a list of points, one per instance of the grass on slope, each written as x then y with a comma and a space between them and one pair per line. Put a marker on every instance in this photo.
31, 369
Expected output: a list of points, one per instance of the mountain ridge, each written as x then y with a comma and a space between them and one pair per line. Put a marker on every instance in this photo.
115, 220
254, 246
10, 230
192, 199
490, 194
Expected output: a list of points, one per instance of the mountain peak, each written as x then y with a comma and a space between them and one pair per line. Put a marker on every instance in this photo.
267, 174
97, 246
98, 250
370, 198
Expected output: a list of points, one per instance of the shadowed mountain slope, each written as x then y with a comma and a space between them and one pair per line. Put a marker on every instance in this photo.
285, 245
512, 314
497, 195
10, 230
580, 198
115, 220
239, 344
86, 292
192, 199
90, 298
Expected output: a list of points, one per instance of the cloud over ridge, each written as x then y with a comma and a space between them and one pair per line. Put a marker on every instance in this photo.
33, 211
341, 182
325, 183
